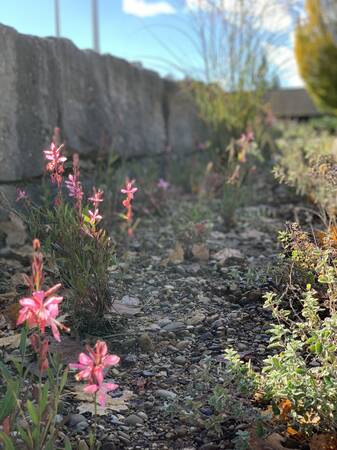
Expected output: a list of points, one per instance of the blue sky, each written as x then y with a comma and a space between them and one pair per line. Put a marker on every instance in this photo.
138, 30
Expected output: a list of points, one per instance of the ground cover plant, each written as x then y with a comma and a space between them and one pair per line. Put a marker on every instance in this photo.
194, 346
306, 161
298, 380
69, 227
29, 407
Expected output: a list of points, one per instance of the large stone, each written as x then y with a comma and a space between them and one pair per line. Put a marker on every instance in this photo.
101, 103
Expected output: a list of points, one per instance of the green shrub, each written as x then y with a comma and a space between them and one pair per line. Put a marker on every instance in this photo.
306, 162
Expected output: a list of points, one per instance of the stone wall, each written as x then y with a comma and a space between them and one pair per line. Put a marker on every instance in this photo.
101, 103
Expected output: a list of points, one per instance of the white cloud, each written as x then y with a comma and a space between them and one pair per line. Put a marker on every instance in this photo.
142, 8
283, 58
271, 15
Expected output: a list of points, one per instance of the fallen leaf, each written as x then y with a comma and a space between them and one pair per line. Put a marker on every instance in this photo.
226, 253
200, 252
324, 441
6, 425
252, 234
11, 313
285, 408
272, 442
275, 442
295, 434
12, 341
112, 404
177, 255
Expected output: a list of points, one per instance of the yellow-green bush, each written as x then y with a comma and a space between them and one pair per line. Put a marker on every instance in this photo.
316, 54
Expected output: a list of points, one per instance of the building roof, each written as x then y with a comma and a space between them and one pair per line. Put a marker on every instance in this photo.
292, 103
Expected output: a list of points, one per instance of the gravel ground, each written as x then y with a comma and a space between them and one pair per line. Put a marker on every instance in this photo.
176, 308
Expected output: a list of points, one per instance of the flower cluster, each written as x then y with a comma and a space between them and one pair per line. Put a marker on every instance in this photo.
163, 184
40, 309
91, 368
21, 194
94, 213
74, 185
246, 138
129, 190
56, 162
35, 281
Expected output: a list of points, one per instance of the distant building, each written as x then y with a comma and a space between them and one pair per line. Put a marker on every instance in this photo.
292, 103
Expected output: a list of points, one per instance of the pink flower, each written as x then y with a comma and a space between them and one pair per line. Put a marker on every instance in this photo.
53, 154
74, 187
41, 309
101, 390
21, 194
202, 145
97, 197
35, 281
95, 217
162, 184
56, 161
129, 190
246, 138
91, 367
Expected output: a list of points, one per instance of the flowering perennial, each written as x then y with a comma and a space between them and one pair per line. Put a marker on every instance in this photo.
163, 184
21, 195
55, 166
91, 368
74, 185
129, 190
40, 309
97, 197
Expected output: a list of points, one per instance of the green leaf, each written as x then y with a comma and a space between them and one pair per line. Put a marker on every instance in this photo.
50, 444
23, 340
44, 399
67, 444
276, 409
318, 347
64, 379
24, 436
6, 373
7, 404
259, 429
33, 413
7, 441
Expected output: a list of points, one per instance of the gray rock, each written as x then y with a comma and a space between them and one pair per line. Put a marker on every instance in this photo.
130, 301
163, 322
174, 327
166, 395
59, 419
196, 319
145, 343
142, 415
74, 419
129, 360
182, 345
124, 437
134, 420
180, 360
